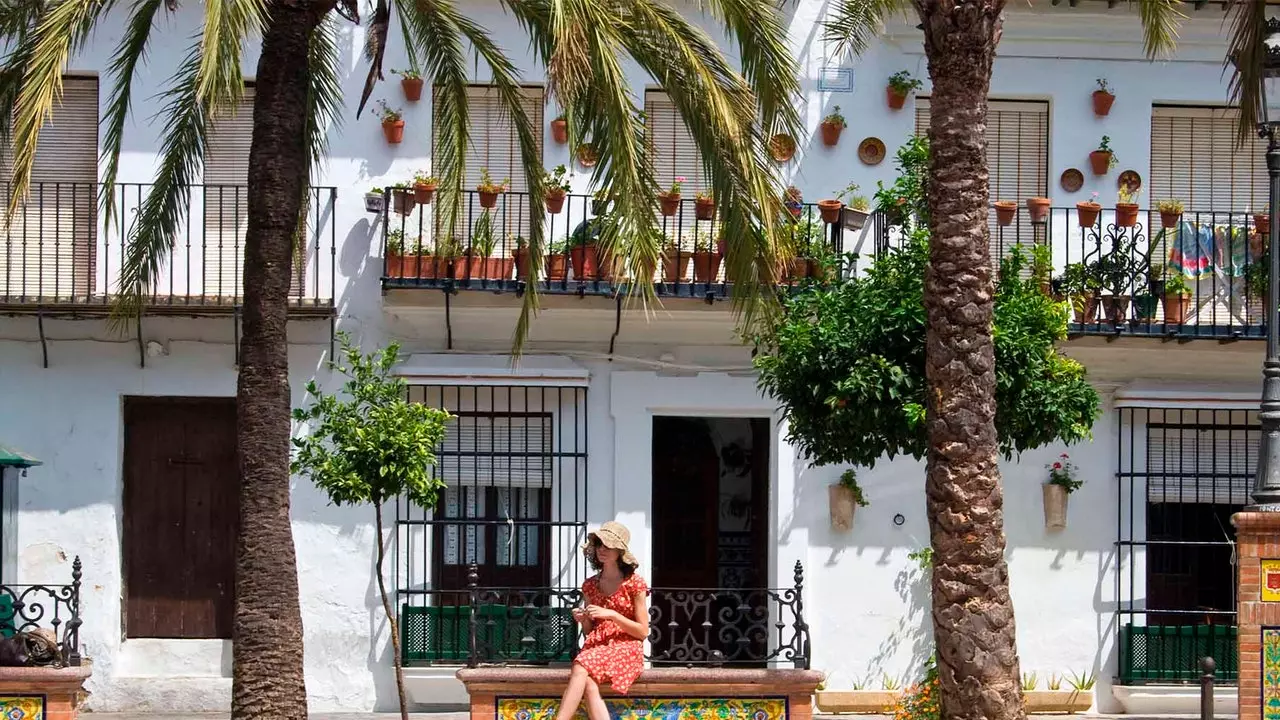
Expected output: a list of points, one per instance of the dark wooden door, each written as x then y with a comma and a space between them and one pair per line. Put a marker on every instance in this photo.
181, 511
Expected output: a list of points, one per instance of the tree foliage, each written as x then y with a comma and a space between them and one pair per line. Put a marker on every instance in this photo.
847, 357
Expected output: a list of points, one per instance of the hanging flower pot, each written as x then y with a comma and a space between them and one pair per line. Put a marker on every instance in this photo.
412, 87
393, 131
704, 208
1087, 213
782, 147
488, 199
402, 201
1126, 214
374, 202
1102, 101
1055, 506
488, 190
896, 99
1038, 208
1169, 219
1005, 211
830, 210
1100, 161
1262, 222
424, 191
669, 203
843, 505
587, 155
555, 200
560, 131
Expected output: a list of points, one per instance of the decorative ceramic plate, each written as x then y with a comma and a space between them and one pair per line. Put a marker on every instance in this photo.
1129, 178
587, 155
1072, 180
871, 151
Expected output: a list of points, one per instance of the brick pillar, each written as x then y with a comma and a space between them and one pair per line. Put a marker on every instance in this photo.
1257, 539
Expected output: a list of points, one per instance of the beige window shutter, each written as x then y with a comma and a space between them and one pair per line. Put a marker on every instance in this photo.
50, 249
671, 147
225, 200
1194, 159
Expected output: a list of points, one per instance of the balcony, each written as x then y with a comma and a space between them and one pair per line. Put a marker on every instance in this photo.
488, 251
57, 256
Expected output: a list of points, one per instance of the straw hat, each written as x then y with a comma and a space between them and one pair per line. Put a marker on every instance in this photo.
612, 535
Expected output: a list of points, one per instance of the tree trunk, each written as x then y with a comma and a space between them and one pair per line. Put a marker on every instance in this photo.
391, 616
972, 611
267, 677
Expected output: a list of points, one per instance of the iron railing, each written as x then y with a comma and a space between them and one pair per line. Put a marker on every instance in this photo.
57, 251
508, 626
53, 607
487, 251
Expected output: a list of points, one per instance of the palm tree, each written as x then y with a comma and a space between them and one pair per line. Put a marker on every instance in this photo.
972, 612
581, 42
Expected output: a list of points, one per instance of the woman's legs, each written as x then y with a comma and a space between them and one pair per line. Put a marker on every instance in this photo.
596, 709
572, 697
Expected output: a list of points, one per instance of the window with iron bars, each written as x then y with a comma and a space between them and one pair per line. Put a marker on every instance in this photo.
511, 520
1182, 473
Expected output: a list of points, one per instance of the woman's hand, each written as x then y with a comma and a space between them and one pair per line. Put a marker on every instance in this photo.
598, 614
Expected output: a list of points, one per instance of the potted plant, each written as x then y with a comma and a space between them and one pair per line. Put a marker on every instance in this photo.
829, 210
793, 200
1127, 206
845, 497
560, 130
413, 264
587, 155
403, 198
392, 123
1170, 212
1177, 298
900, 86
584, 256
1102, 98
832, 125
857, 208
424, 187
704, 205
782, 147
1005, 211
375, 201
557, 261
410, 83
1102, 159
1262, 221
489, 190
481, 261
1087, 211
1115, 271
675, 260
1038, 208
669, 199
556, 186
1081, 289
1062, 482
809, 239
706, 260
1042, 267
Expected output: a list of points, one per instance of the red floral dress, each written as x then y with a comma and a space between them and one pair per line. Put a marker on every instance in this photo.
609, 654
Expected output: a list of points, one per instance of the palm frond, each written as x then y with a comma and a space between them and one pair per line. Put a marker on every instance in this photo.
1160, 22
855, 24
227, 24
124, 63
1247, 58
19, 16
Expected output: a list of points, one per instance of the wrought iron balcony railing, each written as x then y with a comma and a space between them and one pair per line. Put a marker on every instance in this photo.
51, 607
488, 250
715, 626
55, 251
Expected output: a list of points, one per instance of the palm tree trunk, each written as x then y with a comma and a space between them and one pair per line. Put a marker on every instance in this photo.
267, 678
972, 610
391, 615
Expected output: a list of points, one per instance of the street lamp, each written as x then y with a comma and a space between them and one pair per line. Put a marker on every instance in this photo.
1266, 486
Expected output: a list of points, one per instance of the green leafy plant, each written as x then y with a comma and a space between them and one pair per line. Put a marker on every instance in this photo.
1170, 206
1105, 146
676, 186
849, 196
410, 74
369, 446
422, 177
488, 185
849, 481
1127, 194
889, 683
1176, 283
1029, 681
835, 118
1054, 682
1062, 472
482, 236
705, 196
902, 83
388, 114
1255, 278
557, 180
1104, 87
1041, 263
923, 558
922, 700
1081, 681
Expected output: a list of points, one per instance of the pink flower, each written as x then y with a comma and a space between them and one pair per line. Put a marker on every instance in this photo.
680, 179
1063, 455
1057, 466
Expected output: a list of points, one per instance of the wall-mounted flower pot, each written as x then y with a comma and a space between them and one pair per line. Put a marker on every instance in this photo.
587, 155
393, 131
555, 201
864, 702
1100, 162
1115, 308
1038, 208
1169, 219
1084, 308
830, 210
669, 203
560, 131
488, 198
1057, 701
1087, 213
675, 268
1055, 506
782, 147
402, 201
843, 506
423, 193
1176, 307
412, 88
1262, 222
1126, 214
706, 266
896, 99
704, 208
831, 133
1005, 211
374, 202
853, 219
1102, 101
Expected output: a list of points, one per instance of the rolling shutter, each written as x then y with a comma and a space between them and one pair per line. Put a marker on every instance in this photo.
1017, 162
49, 250
671, 147
1194, 159
506, 451
1201, 463
226, 210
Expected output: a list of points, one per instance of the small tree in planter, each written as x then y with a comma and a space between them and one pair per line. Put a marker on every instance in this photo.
411, 83
371, 446
901, 84
489, 190
556, 186
1170, 212
424, 187
1103, 98
1102, 159
669, 199
845, 497
1062, 482
392, 123
832, 125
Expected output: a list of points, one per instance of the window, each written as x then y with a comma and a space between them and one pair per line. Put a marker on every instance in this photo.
49, 249
671, 147
1017, 161
1194, 159
226, 210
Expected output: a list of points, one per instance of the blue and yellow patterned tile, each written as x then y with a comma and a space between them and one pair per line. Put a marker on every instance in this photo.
653, 709
19, 707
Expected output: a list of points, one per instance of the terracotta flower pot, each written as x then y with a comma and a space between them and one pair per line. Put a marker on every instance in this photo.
674, 269
1263, 224
1087, 213
1176, 307
800, 268
1085, 309
555, 201
896, 100
423, 194
704, 209
521, 258
706, 266
587, 155
1115, 308
1005, 211
1126, 214
842, 507
586, 261
831, 133
1055, 506
412, 88
393, 130
1169, 219
488, 268
669, 203
1038, 207
411, 266
488, 200
1102, 102
560, 131
557, 267
1100, 161
403, 201
830, 210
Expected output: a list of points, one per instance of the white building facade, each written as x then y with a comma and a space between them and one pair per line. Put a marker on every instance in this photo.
656, 422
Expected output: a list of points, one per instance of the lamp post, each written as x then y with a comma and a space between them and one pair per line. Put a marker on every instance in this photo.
1266, 486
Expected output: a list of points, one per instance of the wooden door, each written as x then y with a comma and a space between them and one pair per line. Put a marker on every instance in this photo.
181, 511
